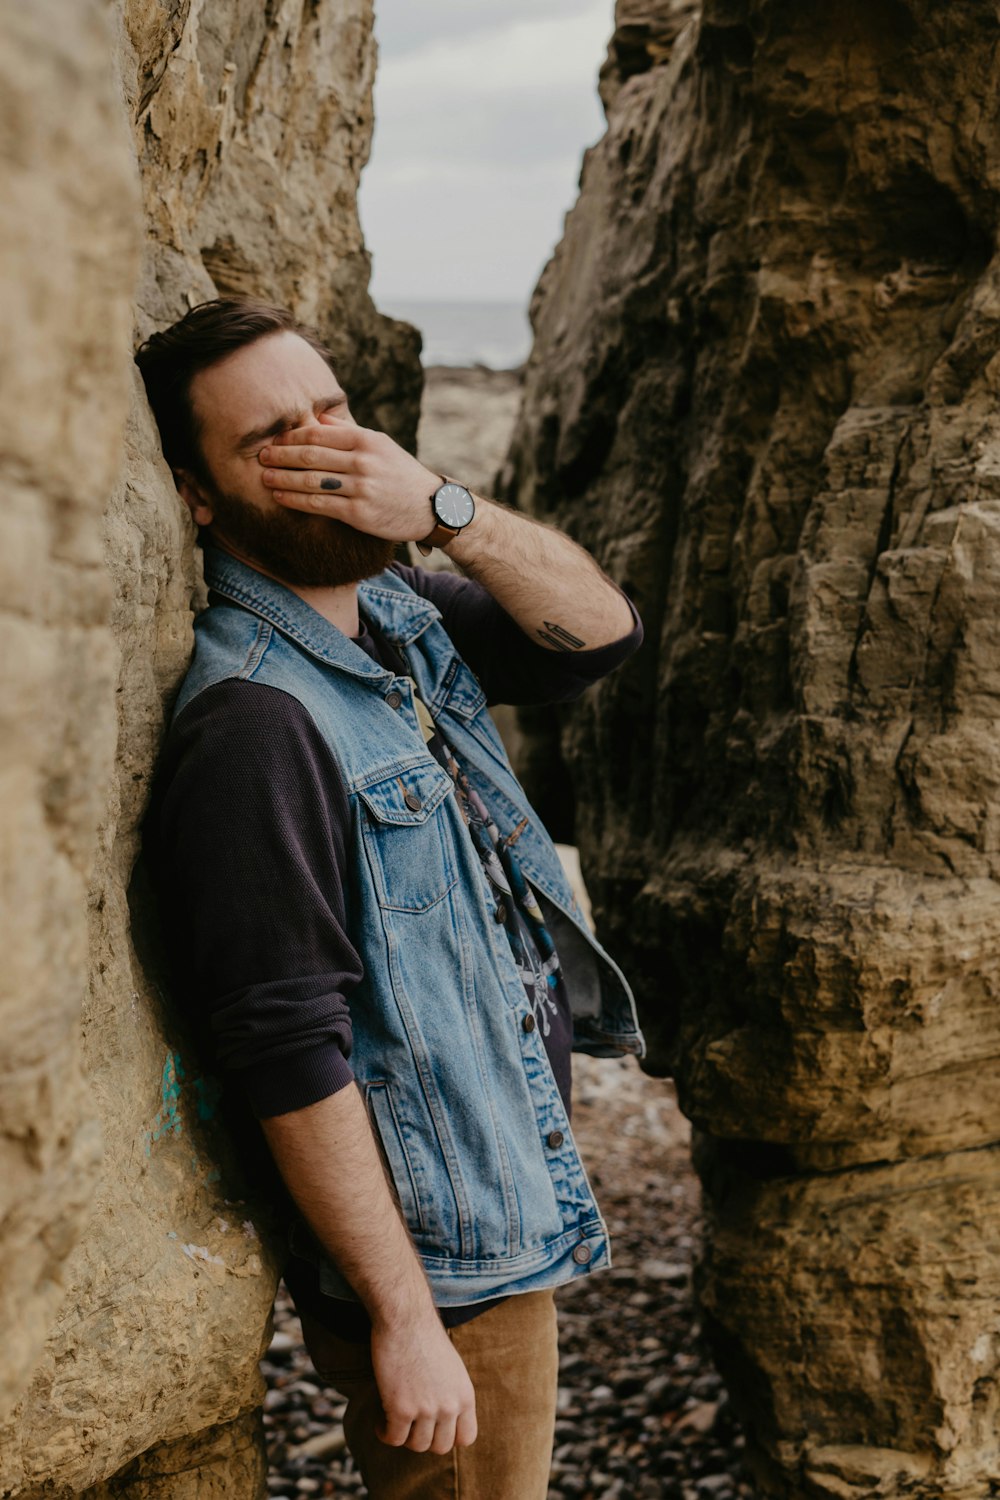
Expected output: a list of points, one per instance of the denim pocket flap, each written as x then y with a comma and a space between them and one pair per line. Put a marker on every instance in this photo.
407, 798
463, 693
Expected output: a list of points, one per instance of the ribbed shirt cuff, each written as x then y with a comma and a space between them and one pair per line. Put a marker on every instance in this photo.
296, 1080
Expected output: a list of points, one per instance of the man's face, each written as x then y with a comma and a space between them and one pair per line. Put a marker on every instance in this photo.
240, 404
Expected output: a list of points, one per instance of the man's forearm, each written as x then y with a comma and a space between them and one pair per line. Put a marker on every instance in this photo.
552, 587
327, 1155
328, 1158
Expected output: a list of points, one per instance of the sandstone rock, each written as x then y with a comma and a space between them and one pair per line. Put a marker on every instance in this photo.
137, 1269
68, 253
252, 126
764, 391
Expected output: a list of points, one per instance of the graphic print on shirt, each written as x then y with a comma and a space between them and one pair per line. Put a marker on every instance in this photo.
531, 943
516, 904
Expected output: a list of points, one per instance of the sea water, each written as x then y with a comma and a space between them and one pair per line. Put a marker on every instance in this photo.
495, 334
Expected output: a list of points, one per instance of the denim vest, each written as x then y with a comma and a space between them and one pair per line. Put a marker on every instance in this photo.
459, 1090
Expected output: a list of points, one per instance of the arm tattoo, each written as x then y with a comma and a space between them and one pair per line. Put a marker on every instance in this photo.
556, 636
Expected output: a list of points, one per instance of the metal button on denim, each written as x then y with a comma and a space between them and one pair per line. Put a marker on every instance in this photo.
555, 1139
413, 802
529, 1022
582, 1254
500, 914
394, 699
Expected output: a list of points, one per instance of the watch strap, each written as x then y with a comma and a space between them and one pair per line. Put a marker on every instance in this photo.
441, 533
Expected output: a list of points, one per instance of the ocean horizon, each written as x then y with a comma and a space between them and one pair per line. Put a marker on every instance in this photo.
494, 334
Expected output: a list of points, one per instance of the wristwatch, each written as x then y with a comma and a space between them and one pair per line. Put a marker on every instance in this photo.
453, 508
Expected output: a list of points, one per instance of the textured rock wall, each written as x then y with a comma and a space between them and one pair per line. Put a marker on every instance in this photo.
764, 390
135, 1274
68, 186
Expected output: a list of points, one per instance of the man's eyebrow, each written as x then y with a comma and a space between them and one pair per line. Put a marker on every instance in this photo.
289, 419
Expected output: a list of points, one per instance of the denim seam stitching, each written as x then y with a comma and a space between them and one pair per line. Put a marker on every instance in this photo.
257, 651
442, 1129
381, 1086
509, 1191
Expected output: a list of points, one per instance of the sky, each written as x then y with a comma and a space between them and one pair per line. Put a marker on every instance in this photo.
482, 113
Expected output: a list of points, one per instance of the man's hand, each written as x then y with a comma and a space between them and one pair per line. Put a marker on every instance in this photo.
426, 1393
336, 468
553, 589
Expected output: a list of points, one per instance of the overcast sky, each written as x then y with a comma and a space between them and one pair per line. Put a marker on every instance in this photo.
482, 113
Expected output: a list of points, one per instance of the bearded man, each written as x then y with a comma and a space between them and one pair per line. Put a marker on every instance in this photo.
365, 911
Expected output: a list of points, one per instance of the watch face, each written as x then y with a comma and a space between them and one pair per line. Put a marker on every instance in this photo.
453, 505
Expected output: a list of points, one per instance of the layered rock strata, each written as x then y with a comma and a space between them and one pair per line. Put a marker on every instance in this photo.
151, 155
763, 391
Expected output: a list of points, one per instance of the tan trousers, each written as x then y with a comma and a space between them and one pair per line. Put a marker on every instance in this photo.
511, 1355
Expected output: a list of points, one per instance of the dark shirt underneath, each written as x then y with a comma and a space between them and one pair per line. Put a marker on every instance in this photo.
249, 836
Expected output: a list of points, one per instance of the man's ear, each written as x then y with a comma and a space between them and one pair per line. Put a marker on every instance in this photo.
193, 496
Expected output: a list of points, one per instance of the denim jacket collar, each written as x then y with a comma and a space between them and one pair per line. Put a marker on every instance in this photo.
399, 614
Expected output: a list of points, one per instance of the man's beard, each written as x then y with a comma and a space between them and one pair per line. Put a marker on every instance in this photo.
306, 550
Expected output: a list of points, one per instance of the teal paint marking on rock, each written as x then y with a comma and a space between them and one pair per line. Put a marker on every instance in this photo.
207, 1093
168, 1120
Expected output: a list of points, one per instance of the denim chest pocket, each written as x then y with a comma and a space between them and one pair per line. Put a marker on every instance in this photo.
405, 826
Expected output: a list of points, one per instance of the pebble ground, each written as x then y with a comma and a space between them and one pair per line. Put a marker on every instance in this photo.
642, 1413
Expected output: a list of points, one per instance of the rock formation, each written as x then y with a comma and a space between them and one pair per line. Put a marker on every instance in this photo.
764, 391
135, 1276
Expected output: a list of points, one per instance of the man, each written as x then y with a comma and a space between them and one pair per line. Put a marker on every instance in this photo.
368, 913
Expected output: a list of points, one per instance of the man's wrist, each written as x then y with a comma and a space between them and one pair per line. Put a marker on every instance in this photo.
408, 1301
471, 540
448, 523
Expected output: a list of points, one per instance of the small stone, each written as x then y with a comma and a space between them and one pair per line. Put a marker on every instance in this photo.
664, 1270
323, 1444
304, 1388
281, 1347
659, 1390
699, 1418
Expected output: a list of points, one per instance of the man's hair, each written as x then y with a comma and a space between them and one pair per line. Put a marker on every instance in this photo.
170, 360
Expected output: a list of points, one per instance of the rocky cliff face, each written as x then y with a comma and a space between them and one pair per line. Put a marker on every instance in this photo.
135, 1274
764, 391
